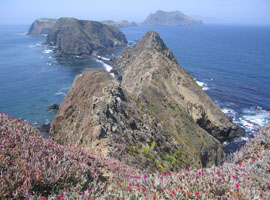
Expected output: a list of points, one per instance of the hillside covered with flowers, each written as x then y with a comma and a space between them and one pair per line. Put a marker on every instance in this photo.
32, 167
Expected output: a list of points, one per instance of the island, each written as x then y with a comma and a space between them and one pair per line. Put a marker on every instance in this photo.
120, 24
174, 18
71, 37
41, 26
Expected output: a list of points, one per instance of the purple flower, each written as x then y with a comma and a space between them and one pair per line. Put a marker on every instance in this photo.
145, 176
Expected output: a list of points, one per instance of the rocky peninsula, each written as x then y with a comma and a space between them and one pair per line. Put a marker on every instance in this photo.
41, 26
72, 37
154, 116
174, 18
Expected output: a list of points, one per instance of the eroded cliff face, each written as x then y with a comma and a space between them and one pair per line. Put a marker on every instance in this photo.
72, 37
41, 26
154, 117
150, 71
99, 116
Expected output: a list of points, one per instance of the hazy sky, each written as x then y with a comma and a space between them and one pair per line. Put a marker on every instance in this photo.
210, 11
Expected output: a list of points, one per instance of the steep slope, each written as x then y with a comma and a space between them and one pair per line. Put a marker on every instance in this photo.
72, 37
99, 116
151, 73
41, 26
174, 18
152, 120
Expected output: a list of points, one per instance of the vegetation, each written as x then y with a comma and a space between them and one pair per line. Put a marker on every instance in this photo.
32, 167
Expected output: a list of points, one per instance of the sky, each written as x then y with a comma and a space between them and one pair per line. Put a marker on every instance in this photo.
244, 12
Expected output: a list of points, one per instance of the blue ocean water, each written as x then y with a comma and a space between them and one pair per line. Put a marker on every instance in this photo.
231, 63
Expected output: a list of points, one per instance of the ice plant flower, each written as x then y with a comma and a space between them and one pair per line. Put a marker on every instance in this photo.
173, 192
197, 194
145, 176
143, 189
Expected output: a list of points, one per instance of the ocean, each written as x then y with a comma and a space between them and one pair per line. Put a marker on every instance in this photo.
230, 63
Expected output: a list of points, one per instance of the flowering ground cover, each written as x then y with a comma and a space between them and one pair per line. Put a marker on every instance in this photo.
32, 167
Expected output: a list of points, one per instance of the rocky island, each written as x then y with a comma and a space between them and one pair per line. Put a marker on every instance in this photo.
120, 24
72, 37
174, 18
41, 26
154, 116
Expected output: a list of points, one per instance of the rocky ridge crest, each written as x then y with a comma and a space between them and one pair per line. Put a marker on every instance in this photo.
149, 119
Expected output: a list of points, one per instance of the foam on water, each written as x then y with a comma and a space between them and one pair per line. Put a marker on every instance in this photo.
251, 119
202, 85
62, 91
47, 51
16, 34
103, 58
106, 66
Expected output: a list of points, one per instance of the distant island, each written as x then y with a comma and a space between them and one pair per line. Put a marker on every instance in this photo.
72, 37
41, 26
159, 18
174, 18
120, 24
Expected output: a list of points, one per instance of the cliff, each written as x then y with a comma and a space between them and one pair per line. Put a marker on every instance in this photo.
120, 24
72, 37
41, 26
155, 117
174, 18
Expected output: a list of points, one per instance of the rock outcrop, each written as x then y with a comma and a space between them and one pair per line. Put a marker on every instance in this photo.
72, 37
174, 18
41, 26
154, 116
120, 24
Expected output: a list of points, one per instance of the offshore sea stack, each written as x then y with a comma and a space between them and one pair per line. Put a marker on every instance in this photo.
41, 26
154, 116
174, 18
72, 37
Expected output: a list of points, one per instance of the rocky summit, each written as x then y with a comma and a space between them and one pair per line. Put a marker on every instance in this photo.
72, 37
174, 18
154, 116
41, 26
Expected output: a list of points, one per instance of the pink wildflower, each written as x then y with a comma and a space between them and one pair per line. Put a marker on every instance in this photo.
173, 192
237, 186
181, 187
145, 176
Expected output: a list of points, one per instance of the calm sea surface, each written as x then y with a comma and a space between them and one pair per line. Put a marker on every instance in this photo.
231, 63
